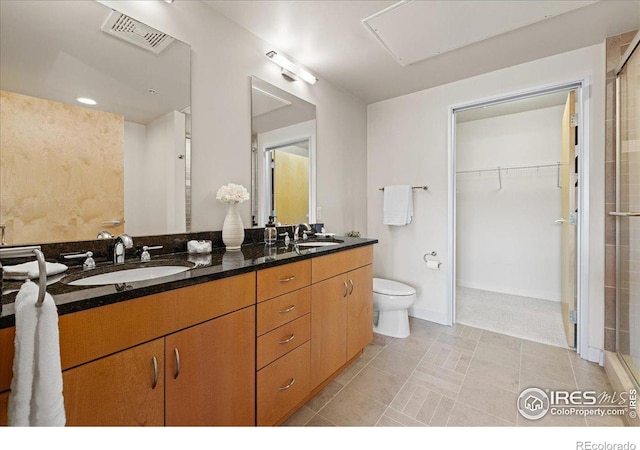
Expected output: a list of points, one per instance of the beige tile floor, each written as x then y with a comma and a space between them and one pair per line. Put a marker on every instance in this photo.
450, 376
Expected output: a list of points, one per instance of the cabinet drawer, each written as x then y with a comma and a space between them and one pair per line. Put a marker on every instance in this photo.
279, 280
283, 384
328, 266
282, 340
283, 309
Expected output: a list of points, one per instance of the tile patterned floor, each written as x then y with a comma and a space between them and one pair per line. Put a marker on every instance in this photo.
450, 376
524, 317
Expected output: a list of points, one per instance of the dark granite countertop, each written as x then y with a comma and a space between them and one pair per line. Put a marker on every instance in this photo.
207, 267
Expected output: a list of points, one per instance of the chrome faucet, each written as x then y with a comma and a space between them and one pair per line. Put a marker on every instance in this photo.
304, 232
122, 242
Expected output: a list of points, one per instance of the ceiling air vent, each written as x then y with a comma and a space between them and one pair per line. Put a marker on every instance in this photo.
130, 30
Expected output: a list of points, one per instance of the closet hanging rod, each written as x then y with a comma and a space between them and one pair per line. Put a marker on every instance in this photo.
494, 169
424, 188
24, 252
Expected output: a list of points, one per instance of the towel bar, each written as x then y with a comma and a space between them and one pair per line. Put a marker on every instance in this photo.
23, 252
424, 188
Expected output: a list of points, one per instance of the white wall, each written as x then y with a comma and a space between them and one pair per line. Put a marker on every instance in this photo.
507, 240
224, 56
154, 176
407, 143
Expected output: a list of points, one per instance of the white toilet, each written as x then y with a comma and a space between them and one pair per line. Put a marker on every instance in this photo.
391, 302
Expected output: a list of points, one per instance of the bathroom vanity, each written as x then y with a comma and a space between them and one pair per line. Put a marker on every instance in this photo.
243, 343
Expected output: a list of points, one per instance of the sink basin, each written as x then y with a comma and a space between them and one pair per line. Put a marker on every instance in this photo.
318, 244
129, 275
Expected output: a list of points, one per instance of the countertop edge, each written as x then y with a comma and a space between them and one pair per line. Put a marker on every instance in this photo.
80, 300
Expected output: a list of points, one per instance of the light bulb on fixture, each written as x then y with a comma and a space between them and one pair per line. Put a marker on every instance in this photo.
169, 1
86, 101
290, 70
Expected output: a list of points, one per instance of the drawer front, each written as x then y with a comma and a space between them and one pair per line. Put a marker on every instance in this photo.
279, 280
283, 384
282, 340
283, 309
328, 266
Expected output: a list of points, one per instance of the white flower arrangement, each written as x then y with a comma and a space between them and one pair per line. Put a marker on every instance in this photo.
232, 193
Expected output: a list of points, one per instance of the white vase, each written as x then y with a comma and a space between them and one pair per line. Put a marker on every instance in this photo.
232, 229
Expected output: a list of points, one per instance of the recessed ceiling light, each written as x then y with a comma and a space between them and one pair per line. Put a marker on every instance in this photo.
152, 91
87, 101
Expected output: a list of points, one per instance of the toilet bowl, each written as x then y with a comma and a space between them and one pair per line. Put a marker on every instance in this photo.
391, 302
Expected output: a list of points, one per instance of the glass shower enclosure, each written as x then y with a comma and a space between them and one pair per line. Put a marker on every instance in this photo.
628, 210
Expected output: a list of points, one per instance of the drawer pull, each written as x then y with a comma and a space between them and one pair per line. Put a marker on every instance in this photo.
287, 340
290, 308
155, 372
291, 383
177, 357
346, 289
352, 286
286, 280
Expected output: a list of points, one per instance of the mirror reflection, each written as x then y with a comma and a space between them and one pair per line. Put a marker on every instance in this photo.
115, 161
283, 137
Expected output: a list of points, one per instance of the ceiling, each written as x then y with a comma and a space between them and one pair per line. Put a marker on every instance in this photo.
441, 41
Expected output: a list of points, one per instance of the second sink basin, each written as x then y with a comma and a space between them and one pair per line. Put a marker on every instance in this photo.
129, 275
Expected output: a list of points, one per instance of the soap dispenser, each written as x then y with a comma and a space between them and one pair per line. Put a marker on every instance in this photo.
270, 231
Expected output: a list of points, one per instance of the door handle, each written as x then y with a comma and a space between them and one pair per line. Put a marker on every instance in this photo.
154, 360
346, 289
560, 221
176, 355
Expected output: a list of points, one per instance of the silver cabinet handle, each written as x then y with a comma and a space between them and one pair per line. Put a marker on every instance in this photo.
625, 214
346, 289
289, 339
155, 372
284, 311
291, 383
114, 222
352, 286
176, 354
286, 280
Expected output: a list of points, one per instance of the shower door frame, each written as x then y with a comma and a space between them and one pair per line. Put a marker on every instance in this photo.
634, 46
582, 88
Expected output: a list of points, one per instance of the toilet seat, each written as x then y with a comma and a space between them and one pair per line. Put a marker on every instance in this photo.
388, 287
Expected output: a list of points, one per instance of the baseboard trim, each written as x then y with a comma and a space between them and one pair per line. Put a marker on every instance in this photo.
595, 355
431, 316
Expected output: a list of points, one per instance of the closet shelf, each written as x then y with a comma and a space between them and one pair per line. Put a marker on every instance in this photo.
501, 169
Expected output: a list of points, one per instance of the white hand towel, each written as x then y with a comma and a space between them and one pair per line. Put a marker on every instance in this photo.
31, 270
398, 205
36, 388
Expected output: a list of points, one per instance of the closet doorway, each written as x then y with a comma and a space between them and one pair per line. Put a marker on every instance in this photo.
516, 213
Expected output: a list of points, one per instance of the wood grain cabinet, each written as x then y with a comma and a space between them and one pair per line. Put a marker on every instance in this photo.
210, 372
126, 388
182, 357
341, 310
283, 379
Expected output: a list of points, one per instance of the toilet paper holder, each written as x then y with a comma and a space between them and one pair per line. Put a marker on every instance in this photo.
431, 263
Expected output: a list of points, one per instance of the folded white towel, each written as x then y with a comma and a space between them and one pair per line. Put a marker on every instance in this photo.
398, 205
30, 270
36, 388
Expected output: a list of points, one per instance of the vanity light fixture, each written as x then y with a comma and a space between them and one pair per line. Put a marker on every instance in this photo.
169, 1
86, 101
290, 70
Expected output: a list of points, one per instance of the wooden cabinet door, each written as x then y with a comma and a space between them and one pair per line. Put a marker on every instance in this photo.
328, 327
117, 390
214, 382
359, 310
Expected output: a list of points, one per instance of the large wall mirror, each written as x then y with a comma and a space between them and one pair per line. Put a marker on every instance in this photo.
70, 170
283, 146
